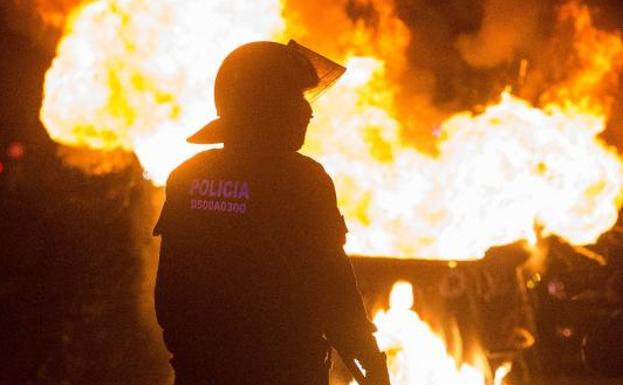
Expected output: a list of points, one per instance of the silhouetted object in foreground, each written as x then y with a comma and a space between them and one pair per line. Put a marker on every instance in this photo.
253, 281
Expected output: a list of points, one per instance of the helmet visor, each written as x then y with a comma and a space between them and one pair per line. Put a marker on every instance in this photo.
327, 71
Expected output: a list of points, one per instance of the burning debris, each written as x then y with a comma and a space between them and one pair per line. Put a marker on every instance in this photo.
464, 322
416, 353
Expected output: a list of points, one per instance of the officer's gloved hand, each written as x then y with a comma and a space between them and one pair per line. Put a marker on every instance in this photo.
376, 370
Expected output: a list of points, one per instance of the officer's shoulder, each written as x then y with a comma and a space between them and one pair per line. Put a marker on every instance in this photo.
301, 161
312, 170
192, 163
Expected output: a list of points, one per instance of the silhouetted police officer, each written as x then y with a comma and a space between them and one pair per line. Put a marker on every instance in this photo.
253, 281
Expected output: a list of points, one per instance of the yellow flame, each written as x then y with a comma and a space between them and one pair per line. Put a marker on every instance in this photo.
501, 373
416, 355
138, 75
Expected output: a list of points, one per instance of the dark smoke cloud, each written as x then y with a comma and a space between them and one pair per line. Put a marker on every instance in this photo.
508, 27
463, 53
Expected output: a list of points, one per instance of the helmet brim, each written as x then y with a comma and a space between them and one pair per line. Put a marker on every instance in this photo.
212, 133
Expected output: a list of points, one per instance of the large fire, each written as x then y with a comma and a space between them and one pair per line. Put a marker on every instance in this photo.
137, 76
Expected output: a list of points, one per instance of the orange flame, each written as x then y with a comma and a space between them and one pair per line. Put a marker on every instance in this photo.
500, 174
138, 76
416, 355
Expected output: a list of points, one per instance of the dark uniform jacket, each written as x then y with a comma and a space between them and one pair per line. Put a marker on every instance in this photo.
252, 273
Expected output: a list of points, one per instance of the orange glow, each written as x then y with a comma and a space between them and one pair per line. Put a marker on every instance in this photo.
500, 174
137, 76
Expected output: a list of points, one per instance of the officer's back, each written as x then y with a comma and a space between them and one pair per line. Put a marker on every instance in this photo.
242, 227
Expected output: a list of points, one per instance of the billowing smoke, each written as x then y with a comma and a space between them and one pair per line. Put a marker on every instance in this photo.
508, 28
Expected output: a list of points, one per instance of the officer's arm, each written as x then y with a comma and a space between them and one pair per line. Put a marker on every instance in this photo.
165, 275
345, 320
348, 328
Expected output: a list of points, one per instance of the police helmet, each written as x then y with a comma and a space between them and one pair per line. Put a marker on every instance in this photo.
256, 80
